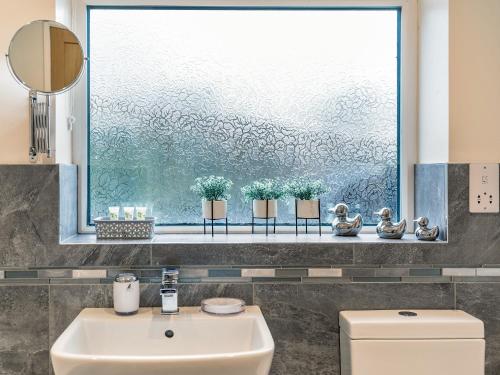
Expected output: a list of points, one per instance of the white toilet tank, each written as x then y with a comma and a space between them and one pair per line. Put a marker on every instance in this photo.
416, 342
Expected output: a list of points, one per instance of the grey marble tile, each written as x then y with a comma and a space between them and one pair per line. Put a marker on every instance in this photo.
483, 301
24, 330
286, 254
431, 195
363, 272
54, 273
426, 279
24, 281
475, 279
399, 253
66, 302
291, 272
21, 274
321, 280
275, 280
376, 279
64, 281
100, 255
425, 272
91, 239
20, 362
474, 239
224, 272
68, 198
303, 318
247, 238
392, 272
28, 213
193, 294
193, 272
20, 244
226, 279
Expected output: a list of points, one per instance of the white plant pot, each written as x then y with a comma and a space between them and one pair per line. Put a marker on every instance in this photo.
259, 208
219, 209
307, 209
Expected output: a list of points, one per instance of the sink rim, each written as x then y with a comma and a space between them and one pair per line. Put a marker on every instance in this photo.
252, 312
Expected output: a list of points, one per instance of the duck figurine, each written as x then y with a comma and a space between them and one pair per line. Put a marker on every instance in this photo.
386, 228
342, 225
424, 233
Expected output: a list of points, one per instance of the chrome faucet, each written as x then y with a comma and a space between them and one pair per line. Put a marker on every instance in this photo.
168, 291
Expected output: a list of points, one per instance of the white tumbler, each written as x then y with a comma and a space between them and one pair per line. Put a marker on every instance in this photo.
126, 294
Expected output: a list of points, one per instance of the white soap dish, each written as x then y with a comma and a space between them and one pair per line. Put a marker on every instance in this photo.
223, 306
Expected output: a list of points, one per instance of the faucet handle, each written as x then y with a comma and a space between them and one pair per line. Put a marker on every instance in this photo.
169, 275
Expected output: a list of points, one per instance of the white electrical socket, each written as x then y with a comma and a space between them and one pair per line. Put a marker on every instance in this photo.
484, 188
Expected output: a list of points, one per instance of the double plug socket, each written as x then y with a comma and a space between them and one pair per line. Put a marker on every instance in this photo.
484, 188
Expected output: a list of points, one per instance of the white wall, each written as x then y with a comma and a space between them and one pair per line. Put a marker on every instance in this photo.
472, 124
14, 135
474, 81
433, 81
63, 101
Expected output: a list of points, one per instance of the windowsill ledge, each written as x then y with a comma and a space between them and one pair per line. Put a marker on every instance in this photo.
220, 238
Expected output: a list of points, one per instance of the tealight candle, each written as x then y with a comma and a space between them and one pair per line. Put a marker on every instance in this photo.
128, 213
114, 213
140, 213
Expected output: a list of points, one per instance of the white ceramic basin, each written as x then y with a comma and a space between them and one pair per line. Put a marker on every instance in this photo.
99, 342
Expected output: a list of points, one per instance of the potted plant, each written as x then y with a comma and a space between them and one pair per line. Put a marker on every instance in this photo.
306, 193
214, 193
264, 195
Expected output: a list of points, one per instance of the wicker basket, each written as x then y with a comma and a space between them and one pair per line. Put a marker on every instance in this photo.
107, 229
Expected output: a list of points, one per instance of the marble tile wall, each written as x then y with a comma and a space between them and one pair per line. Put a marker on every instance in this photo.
32, 198
303, 318
68, 201
38, 204
24, 327
40, 295
431, 195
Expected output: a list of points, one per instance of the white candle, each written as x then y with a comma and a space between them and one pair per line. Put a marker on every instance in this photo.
140, 213
114, 213
128, 213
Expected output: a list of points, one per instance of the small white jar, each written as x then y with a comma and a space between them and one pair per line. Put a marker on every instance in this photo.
126, 294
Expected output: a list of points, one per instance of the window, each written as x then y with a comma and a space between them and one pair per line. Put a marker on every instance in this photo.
248, 93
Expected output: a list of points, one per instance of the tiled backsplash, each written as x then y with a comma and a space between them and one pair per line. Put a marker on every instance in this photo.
300, 283
36, 207
257, 275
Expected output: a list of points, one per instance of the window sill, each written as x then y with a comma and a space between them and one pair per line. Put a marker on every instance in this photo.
220, 238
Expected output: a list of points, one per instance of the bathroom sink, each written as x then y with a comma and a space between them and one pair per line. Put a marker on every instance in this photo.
99, 342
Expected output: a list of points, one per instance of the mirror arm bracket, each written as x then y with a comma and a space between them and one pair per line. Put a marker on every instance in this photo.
39, 112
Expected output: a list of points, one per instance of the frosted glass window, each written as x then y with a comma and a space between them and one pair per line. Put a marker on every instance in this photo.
247, 94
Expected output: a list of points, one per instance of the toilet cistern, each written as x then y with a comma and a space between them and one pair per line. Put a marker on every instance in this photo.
411, 342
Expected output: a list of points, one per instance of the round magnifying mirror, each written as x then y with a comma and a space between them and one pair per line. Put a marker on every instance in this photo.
46, 57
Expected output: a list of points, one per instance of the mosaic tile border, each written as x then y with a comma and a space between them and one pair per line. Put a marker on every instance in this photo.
345, 274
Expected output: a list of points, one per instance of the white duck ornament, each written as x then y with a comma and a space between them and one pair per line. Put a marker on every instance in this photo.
386, 228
